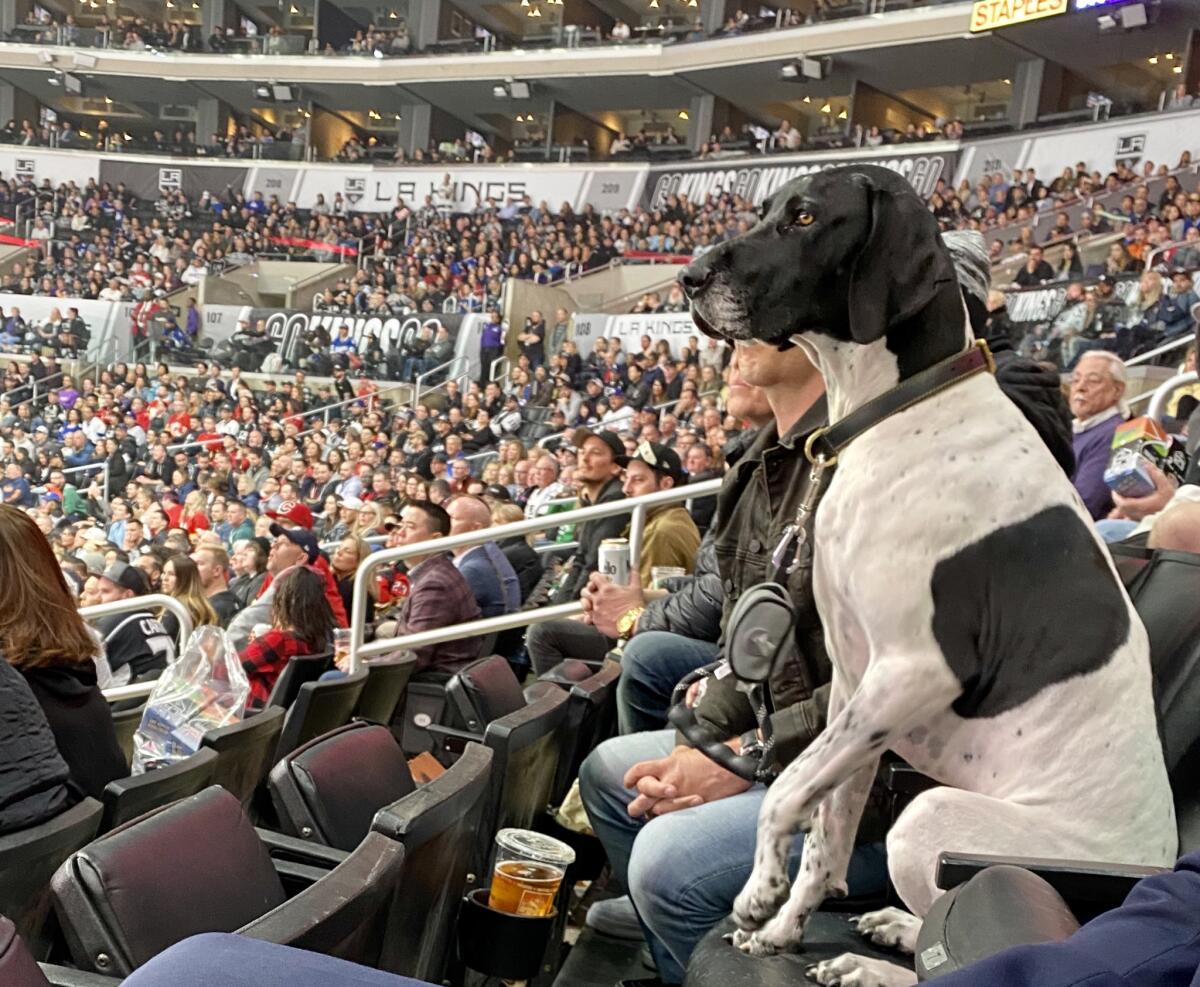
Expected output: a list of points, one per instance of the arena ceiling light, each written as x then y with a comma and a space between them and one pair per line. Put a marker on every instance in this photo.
511, 89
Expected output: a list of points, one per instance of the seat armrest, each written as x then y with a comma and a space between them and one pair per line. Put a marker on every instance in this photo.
289, 849
297, 877
903, 779
1089, 888
65, 976
451, 739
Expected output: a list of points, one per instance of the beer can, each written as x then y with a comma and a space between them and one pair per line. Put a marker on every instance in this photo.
659, 575
614, 560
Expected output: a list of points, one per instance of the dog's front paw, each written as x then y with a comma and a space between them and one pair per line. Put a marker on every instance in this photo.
849, 970
754, 944
759, 900
891, 927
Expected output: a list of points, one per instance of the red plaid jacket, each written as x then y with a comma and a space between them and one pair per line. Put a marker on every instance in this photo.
265, 658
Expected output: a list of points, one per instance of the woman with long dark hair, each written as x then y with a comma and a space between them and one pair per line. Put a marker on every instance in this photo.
301, 624
43, 637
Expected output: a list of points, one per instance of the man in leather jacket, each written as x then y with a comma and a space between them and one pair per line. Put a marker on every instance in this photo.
679, 829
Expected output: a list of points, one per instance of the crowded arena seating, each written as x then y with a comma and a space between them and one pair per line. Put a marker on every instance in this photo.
375, 524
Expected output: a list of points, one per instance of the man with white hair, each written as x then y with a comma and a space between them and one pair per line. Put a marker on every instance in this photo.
1097, 402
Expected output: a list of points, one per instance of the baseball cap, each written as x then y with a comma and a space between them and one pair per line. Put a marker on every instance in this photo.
660, 458
294, 511
609, 438
95, 536
354, 503
299, 536
497, 492
127, 577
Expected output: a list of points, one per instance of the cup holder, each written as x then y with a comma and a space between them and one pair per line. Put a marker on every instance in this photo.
501, 944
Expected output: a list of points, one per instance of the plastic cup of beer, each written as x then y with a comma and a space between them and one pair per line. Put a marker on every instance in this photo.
341, 648
528, 871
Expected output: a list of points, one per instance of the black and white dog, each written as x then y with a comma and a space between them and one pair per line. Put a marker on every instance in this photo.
975, 623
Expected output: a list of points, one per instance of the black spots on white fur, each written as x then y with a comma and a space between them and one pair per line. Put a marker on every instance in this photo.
968, 757
999, 607
917, 735
936, 747
1020, 732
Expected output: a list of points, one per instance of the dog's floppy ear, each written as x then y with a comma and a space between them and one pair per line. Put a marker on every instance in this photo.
900, 268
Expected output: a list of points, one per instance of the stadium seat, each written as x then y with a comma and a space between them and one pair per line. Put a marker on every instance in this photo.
199, 866
126, 723
329, 789
245, 752
1164, 595
483, 691
128, 798
235, 961
319, 707
383, 693
591, 718
17, 967
29, 858
298, 670
437, 825
716, 963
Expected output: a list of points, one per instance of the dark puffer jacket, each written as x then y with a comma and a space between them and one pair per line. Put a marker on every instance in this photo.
34, 779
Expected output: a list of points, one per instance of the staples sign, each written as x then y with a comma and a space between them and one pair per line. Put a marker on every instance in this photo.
988, 15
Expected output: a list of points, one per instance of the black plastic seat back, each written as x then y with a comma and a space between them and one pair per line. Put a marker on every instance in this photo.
345, 913
424, 704
126, 722
525, 747
384, 691
319, 708
29, 858
245, 752
483, 691
298, 670
437, 824
17, 966
194, 866
591, 718
1165, 596
329, 789
128, 798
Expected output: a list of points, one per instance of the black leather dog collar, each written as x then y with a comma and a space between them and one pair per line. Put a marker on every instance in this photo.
825, 443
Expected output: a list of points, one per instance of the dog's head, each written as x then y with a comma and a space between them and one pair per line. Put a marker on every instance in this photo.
850, 253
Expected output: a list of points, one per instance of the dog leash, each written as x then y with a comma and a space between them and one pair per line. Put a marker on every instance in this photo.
824, 445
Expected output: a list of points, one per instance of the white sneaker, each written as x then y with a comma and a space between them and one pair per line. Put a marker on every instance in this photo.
615, 917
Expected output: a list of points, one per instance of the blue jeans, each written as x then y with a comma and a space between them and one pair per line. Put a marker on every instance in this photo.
651, 666
684, 869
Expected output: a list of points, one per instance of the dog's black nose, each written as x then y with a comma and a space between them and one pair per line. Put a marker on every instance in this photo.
695, 279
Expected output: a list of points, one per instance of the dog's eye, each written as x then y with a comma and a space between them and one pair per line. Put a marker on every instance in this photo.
803, 219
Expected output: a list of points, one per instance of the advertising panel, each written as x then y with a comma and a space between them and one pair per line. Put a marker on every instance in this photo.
757, 178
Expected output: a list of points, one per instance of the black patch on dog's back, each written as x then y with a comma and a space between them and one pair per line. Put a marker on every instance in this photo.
1026, 606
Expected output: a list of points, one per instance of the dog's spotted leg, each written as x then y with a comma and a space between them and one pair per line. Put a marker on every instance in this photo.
826, 858
892, 927
895, 695
851, 970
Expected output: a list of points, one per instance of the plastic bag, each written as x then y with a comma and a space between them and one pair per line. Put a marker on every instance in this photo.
205, 689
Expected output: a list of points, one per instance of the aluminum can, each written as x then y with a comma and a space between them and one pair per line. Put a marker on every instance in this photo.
614, 560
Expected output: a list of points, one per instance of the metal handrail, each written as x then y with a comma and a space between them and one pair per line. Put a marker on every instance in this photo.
636, 507
1163, 392
452, 370
1174, 344
137, 690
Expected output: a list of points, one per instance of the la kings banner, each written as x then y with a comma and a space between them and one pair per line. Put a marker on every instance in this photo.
757, 178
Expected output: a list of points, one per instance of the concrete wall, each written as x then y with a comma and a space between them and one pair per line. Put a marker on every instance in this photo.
616, 289
522, 297
270, 284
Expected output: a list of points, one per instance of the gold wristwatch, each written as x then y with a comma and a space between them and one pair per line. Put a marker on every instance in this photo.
628, 621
